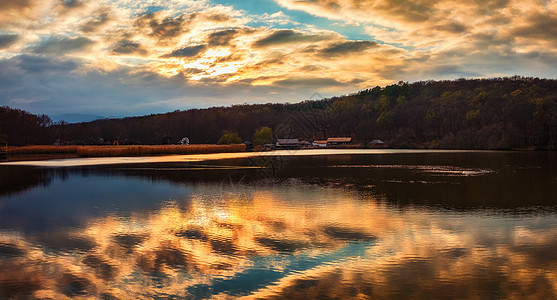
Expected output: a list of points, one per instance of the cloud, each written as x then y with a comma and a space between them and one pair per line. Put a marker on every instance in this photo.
128, 47
418, 22
288, 36
7, 39
162, 27
275, 54
95, 23
308, 82
213, 17
42, 64
538, 27
61, 45
279, 18
222, 37
189, 51
71, 3
310, 68
15, 4
158, 58
347, 47
452, 70
14, 13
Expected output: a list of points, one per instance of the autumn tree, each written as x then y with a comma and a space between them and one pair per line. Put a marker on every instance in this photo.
263, 136
228, 138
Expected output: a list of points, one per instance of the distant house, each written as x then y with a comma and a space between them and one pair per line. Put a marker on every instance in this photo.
339, 141
377, 144
319, 143
287, 144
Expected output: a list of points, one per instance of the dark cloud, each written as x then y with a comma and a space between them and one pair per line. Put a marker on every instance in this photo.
94, 23
189, 51
62, 45
192, 71
40, 64
310, 68
128, 47
488, 6
162, 28
347, 47
263, 64
71, 3
216, 17
452, 27
285, 36
222, 38
7, 39
228, 58
410, 11
488, 40
539, 27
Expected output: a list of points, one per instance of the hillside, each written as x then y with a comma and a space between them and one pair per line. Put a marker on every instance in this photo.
499, 113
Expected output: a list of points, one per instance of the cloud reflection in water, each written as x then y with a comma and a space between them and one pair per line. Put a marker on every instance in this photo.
285, 241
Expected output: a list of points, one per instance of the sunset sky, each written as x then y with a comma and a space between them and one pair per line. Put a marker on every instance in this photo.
135, 57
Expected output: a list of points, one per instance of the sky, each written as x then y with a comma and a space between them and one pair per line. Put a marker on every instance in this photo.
137, 57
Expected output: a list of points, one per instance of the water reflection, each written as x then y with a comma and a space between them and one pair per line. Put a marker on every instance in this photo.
146, 232
285, 242
17, 179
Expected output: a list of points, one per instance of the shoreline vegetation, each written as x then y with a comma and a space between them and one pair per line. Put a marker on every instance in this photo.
473, 114
124, 150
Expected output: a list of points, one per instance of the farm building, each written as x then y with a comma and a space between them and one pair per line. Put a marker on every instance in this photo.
377, 144
288, 143
339, 141
320, 143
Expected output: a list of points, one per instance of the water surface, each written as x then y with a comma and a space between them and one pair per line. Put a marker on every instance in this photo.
347, 226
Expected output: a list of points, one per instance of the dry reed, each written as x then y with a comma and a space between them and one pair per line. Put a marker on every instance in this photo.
146, 150
125, 150
42, 149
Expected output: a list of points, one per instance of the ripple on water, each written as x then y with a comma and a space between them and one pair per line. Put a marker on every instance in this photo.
430, 169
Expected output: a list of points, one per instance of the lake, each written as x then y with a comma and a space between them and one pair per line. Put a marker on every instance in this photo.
326, 224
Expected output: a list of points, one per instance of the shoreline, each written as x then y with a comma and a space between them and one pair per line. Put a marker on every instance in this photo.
192, 158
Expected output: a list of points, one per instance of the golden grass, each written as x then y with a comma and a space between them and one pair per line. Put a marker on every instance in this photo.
134, 150
42, 149
146, 150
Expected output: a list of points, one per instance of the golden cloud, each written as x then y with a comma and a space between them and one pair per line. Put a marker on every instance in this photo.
202, 43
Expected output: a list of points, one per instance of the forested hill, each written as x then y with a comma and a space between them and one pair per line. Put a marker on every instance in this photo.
498, 113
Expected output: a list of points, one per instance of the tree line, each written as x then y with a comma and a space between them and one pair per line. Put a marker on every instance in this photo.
496, 113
